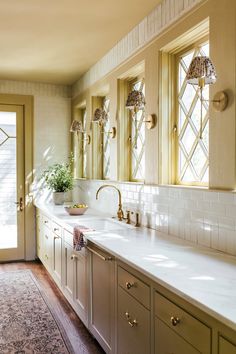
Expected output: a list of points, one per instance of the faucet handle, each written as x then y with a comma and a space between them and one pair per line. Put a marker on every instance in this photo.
127, 217
137, 223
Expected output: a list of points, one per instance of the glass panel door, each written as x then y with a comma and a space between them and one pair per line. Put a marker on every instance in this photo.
12, 183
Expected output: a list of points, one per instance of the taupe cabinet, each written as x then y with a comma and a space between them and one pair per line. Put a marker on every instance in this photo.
127, 312
101, 291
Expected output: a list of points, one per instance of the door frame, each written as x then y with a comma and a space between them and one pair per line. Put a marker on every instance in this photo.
27, 102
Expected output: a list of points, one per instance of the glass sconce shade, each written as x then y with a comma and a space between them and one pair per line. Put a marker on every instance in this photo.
135, 100
201, 68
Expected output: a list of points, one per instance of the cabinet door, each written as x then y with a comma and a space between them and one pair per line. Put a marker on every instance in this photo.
133, 325
68, 264
101, 319
57, 258
47, 248
39, 235
225, 347
80, 284
168, 342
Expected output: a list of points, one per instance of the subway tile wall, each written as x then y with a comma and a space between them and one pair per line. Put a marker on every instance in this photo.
206, 218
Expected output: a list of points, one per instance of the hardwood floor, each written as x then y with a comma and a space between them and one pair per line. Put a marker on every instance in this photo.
76, 331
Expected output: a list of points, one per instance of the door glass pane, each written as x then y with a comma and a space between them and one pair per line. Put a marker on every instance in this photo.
8, 185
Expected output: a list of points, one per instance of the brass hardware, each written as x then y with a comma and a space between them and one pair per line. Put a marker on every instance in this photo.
120, 213
127, 217
174, 320
55, 229
20, 206
111, 132
45, 221
137, 224
220, 101
175, 128
88, 138
130, 322
99, 255
129, 285
73, 257
151, 121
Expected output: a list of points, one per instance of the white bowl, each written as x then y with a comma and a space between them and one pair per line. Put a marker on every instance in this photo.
75, 211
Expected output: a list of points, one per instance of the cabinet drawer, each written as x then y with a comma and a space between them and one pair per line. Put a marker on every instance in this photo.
187, 326
168, 341
134, 286
225, 347
57, 229
132, 337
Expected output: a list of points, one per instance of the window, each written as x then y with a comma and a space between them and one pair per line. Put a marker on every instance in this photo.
106, 140
137, 137
84, 144
192, 152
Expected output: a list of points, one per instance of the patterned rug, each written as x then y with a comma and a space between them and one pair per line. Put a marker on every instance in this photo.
27, 323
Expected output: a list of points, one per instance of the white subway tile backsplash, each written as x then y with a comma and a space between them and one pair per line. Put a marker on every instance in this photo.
207, 218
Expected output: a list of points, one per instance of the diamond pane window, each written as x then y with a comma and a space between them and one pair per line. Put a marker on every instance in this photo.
106, 140
84, 156
138, 139
192, 152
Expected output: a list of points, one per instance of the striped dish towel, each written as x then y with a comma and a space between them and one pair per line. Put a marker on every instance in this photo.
78, 237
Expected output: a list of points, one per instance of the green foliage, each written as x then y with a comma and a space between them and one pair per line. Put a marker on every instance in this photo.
58, 177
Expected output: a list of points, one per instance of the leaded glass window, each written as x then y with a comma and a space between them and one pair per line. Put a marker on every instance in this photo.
106, 140
84, 155
192, 151
138, 138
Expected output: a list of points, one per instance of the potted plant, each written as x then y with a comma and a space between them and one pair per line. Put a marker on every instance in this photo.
59, 179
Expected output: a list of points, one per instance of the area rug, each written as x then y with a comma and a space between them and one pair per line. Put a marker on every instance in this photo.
27, 322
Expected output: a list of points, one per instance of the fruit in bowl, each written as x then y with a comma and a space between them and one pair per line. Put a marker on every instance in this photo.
76, 209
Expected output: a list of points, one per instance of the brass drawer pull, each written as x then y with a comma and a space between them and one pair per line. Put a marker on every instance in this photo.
174, 320
73, 257
129, 285
130, 322
99, 255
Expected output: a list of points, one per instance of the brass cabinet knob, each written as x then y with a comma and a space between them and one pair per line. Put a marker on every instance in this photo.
129, 285
174, 320
45, 222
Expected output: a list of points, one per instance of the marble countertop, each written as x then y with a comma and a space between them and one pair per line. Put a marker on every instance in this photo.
202, 276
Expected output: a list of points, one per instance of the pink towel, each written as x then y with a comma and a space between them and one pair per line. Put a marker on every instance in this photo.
78, 237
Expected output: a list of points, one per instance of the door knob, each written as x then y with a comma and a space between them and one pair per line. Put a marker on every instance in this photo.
19, 204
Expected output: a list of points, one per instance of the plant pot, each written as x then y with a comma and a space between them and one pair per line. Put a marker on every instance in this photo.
58, 198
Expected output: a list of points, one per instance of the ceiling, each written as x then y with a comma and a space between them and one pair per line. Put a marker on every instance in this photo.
56, 41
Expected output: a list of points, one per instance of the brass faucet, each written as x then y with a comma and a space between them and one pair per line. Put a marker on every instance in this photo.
120, 213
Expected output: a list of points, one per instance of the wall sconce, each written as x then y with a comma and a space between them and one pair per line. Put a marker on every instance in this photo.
76, 127
202, 72
136, 102
101, 117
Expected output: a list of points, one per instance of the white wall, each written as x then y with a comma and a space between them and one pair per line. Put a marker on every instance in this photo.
52, 117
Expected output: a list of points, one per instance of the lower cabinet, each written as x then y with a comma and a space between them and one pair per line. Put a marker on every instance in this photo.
226, 347
133, 327
75, 279
168, 342
102, 298
126, 311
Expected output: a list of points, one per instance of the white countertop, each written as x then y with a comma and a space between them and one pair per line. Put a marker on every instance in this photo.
204, 277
